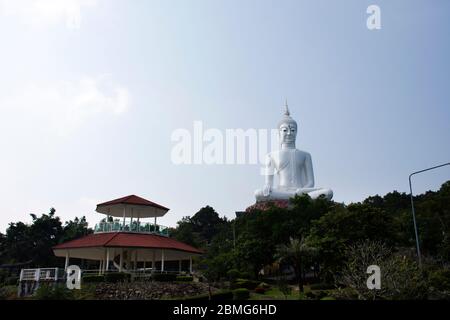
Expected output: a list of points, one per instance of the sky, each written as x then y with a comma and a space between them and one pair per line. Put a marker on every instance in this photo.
92, 90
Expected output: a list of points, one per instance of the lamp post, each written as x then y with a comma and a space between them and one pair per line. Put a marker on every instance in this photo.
413, 210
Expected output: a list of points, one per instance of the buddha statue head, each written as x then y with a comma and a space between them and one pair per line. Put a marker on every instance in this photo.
287, 130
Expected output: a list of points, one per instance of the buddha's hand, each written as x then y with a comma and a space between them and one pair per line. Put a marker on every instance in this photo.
267, 190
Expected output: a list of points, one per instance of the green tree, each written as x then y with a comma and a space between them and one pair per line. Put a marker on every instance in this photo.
75, 229
295, 253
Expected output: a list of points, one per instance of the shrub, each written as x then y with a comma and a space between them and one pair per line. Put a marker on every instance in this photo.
8, 292
11, 281
241, 294
440, 279
233, 274
3, 275
245, 283
264, 285
317, 295
93, 278
185, 278
222, 295
260, 290
117, 277
245, 275
164, 277
321, 286
53, 292
219, 295
199, 297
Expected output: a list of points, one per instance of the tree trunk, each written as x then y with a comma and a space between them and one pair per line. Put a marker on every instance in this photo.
300, 279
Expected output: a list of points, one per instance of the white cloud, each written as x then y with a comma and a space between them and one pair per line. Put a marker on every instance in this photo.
47, 12
64, 106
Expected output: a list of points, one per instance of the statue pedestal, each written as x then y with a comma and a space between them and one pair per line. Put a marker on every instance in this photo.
265, 205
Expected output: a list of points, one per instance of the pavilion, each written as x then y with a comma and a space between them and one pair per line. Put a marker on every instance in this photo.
122, 241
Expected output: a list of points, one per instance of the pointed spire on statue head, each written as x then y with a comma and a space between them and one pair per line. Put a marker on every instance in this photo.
286, 112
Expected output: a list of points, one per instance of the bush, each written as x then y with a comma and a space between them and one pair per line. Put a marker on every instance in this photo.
117, 277
233, 274
440, 279
185, 278
264, 285
164, 277
8, 292
260, 290
317, 295
11, 281
321, 286
93, 278
245, 275
53, 292
222, 295
245, 283
199, 297
241, 294
3, 275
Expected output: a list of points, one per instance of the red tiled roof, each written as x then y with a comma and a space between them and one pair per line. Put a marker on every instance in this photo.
133, 200
124, 239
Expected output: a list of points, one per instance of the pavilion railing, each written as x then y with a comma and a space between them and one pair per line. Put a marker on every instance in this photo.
117, 226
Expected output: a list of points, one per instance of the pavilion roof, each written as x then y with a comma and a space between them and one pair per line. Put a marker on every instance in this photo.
127, 240
132, 206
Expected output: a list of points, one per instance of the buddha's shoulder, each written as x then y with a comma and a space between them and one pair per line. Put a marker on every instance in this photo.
278, 153
303, 153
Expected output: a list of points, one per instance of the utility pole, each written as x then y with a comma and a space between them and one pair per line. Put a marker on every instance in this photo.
414, 212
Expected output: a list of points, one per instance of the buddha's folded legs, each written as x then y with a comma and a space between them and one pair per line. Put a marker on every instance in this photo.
277, 194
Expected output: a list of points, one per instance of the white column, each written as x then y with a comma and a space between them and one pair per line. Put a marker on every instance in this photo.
121, 260
100, 267
124, 216
107, 259
179, 266
162, 260
67, 260
190, 265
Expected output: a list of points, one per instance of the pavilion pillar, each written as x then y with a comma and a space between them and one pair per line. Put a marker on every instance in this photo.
121, 260
124, 211
66, 264
135, 259
162, 260
190, 265
107, 260
100, 267
179, 266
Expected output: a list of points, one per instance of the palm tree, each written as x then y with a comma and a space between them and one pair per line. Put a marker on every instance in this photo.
294, 253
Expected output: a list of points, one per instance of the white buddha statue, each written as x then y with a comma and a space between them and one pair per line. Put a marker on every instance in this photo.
293, 167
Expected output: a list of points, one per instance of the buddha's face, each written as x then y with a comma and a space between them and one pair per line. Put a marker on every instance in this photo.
288, 133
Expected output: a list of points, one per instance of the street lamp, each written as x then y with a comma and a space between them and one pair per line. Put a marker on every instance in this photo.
413, 211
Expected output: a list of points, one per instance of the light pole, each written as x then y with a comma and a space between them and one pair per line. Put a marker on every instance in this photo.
414, 212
